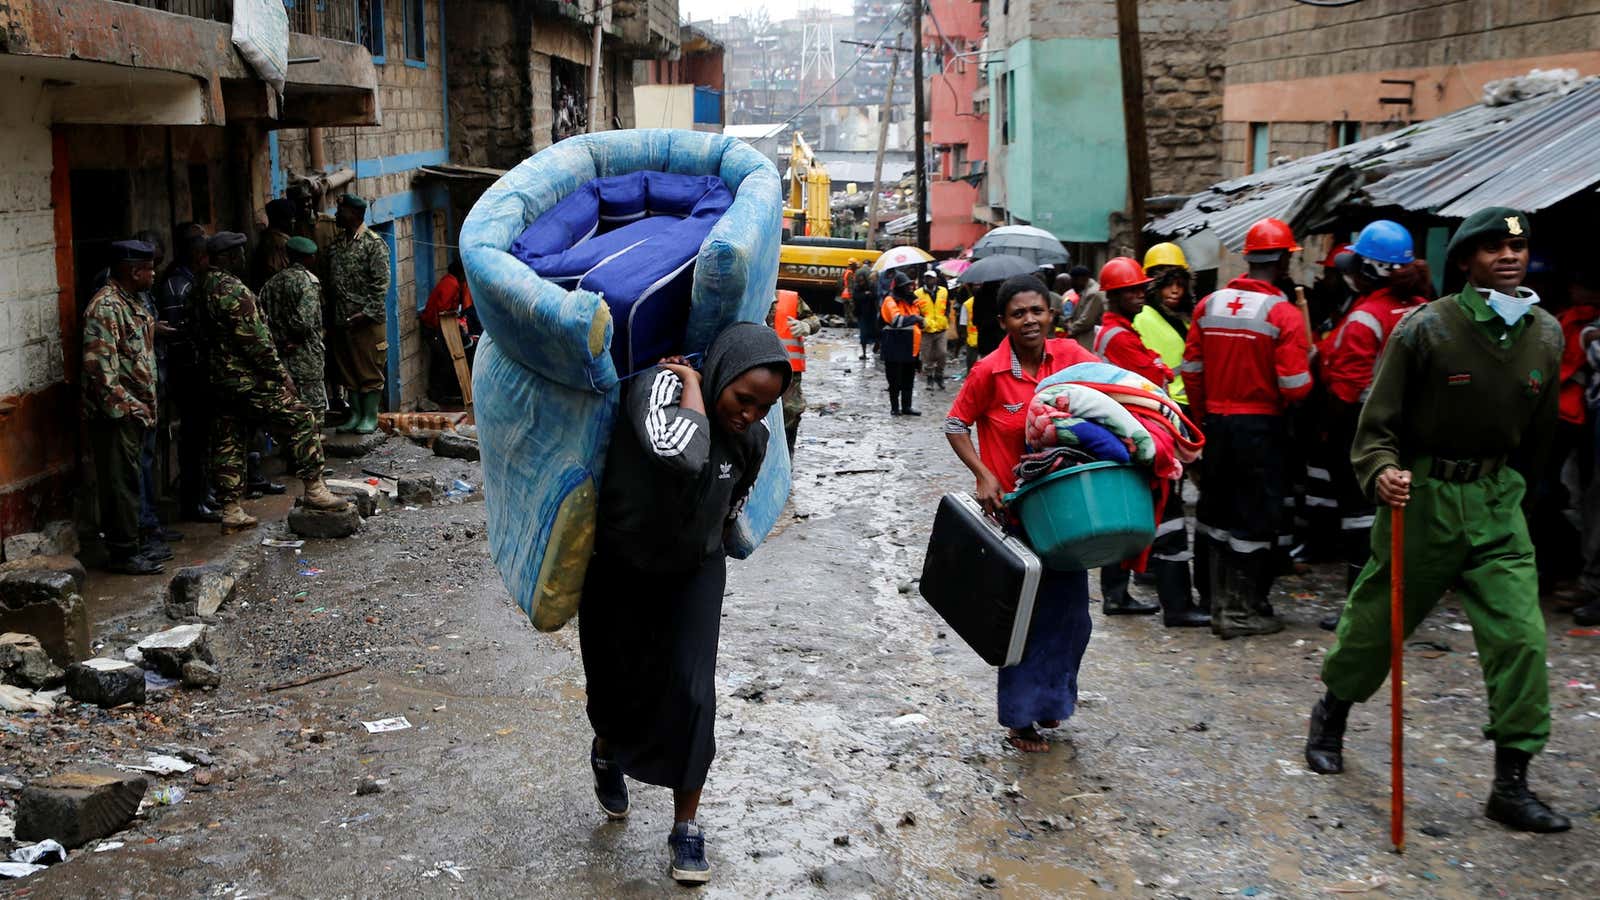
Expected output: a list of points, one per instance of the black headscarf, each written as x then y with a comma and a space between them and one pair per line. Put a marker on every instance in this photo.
741, 347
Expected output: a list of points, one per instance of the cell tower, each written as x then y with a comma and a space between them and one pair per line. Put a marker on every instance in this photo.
816, 44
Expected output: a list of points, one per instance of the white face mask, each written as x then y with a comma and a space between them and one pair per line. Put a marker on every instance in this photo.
1511, 308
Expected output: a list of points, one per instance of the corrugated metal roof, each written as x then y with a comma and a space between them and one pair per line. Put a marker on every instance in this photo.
1415, 168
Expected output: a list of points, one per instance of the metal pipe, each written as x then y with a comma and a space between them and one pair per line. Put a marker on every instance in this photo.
318, 155
594, 75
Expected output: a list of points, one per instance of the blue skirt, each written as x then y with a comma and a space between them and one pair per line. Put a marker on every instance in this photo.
1044, 685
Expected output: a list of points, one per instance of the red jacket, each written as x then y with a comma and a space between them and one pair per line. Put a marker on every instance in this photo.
1118, 344
1248, 352
451, 294
1349, 354
1575, 320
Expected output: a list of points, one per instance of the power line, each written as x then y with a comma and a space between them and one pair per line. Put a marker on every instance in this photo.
847, 70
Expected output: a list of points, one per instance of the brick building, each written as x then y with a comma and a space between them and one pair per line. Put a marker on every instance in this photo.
958, 128
1057, 153
1302, 79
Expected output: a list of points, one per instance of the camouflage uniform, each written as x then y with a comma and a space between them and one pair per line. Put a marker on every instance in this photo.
358, 282
119, 402
292, 302
251, 386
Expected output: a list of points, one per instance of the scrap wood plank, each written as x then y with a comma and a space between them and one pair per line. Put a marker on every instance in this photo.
451, 331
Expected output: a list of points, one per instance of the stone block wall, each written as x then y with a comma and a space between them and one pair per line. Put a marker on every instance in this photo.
30, 330
1183, 43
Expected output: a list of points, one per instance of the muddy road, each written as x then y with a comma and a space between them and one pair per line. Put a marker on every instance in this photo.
858, 748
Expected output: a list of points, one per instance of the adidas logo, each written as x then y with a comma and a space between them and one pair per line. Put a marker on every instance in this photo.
727, 471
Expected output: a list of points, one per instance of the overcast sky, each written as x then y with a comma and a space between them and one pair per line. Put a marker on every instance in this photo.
695, 10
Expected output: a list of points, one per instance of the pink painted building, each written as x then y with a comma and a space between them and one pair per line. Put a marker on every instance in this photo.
959, 128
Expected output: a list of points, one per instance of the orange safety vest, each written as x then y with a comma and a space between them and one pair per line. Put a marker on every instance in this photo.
789, 308
849, 276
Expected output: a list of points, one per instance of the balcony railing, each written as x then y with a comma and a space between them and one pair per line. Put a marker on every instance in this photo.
332, 19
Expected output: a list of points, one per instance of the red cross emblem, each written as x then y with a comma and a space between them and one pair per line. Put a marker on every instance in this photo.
1235, 305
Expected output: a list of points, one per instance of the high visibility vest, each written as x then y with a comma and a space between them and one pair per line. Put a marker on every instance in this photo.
1159, 335
849, 276
789, 308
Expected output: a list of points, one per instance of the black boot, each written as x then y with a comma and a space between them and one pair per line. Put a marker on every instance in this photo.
1325, 741
1512, 804
905, 398
1173, 590
1117, 601
1587, 614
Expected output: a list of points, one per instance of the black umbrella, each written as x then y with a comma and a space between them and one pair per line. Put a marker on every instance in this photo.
1035, 244
996, 268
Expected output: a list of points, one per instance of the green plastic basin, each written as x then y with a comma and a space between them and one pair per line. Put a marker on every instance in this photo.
1087, 516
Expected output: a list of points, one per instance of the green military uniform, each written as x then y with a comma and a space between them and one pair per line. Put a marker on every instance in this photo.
251, 386
292, 301
1456, 396
358, 283
119, 403
794, 398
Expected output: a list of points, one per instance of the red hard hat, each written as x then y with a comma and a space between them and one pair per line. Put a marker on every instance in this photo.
1270, 234
1333, 255
1122, 272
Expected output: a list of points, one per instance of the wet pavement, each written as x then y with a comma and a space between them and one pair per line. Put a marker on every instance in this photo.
858, 748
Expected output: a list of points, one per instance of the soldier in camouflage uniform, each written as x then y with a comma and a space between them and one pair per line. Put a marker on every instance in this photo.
119, 398
358, 281
292, 302
252, 387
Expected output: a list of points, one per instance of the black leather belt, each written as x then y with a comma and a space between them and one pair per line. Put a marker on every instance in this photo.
1461, 471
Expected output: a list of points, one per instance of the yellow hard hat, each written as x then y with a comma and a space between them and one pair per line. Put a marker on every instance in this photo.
852, 261
1165, 254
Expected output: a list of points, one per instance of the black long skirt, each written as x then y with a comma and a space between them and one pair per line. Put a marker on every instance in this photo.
649, 644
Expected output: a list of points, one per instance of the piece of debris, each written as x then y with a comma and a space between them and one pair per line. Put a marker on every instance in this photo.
452, 445
161, 764
325, 523
1435, 831
281, 544
368, 786
198, 591
198, 674
168, 650
45, 604
417, 490
77, 807
25, 662
20, 700
908, 820
908, 720
171, 795
105, 682
363, 495
398, 723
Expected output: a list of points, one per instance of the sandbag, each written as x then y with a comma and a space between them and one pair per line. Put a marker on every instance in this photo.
545, 383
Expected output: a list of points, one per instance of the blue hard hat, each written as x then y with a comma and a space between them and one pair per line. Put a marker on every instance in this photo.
1386, 242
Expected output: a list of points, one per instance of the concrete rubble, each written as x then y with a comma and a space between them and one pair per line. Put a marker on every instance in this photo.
25, 663
106, 682
363, 495
456, 446
167, 651
418, 490
80, 806
198, 591
322, 523
46, 604
200, 674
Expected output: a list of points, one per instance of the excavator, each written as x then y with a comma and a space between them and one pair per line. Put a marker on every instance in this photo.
812, 261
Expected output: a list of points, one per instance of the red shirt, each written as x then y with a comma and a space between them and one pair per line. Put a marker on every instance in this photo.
1118, 344
451, 294
1575, 320
1349, 355
995, 396
1248, 352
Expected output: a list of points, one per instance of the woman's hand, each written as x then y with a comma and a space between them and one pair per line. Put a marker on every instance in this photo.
990, 493
680, 367
1394, 487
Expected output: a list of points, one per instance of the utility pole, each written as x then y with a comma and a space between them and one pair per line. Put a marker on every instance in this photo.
1133, 116
883, 140
594, 74
921, 114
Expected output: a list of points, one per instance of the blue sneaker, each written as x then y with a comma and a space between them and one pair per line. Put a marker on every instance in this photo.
687, 843
609, 787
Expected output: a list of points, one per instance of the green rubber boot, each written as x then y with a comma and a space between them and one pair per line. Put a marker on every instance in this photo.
358, 409
369, 412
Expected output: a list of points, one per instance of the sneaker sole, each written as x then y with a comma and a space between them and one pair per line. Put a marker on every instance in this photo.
688, 877
614, 816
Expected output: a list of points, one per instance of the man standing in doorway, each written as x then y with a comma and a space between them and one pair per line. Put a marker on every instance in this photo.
119, 398
358, 280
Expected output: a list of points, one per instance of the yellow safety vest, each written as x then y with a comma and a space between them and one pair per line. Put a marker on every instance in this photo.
1159, 335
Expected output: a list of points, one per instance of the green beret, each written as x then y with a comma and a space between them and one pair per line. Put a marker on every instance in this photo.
352, 200
302, 245
1494, 222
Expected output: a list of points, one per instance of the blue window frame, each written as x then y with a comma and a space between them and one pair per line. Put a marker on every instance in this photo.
391, 324
1260, 146
369, 28
416, 33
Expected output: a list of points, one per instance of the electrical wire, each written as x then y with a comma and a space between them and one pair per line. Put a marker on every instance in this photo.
1328, 4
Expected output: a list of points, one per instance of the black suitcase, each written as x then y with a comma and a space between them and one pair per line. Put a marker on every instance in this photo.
980, 580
